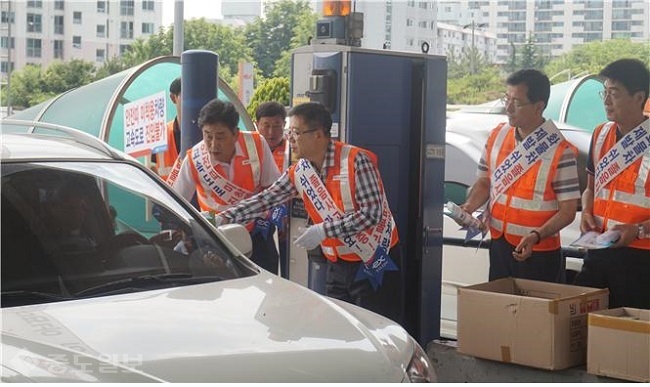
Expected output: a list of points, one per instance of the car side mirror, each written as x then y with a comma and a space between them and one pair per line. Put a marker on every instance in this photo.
239, 237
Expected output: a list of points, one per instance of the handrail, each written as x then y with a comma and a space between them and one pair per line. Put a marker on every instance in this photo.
75, 134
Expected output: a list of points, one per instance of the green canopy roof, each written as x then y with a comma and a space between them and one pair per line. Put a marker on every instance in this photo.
98, 108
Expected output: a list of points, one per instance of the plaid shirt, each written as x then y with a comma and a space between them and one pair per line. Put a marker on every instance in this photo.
367, 196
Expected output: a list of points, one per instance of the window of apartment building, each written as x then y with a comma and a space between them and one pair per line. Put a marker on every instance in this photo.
33, 48
621, 26
594, 26
423, 4
422, 24
594, 15
100, 55
34, 22
515, 5
124, 48
126, 7
126, 30
409, 42
76, 17
543, 26
5, 42
147, 5
543, 15
101, 7
59, 4
76, 41
147, 28
6, 67
101, 30
58, 49
621, 35
410, 3
8, 17
621, 4
618, 14
58, 24
594, 4
593, 37
409, 22
34, 4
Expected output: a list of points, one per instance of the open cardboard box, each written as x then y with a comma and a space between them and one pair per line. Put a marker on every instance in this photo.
619, 344
533, 323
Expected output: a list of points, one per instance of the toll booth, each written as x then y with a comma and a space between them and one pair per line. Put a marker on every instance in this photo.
393, 104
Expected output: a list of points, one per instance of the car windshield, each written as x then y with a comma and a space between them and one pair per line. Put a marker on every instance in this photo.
84, 229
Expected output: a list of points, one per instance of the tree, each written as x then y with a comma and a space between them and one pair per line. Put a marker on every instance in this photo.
592, 57
273, 89
476, 88
302, 34
33, 85
268, 38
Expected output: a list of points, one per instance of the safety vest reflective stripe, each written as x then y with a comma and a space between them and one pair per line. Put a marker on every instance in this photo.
165, 160
346, 189
534, 204
626, 198
530, 201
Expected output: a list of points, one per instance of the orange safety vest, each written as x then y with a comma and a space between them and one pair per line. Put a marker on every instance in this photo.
278, 155
165, 160
530, 201
244, 175
334, 248
625, 199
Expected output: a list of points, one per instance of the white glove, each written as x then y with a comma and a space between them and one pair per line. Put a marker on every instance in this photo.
311, 237
220, 221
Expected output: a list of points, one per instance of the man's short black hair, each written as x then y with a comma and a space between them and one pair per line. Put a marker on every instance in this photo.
631, 73
539, 87
219, 112
270, 109
314, 114
175, 86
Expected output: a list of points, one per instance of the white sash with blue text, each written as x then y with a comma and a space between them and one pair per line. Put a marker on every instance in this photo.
365, 243
541, 143
626, 151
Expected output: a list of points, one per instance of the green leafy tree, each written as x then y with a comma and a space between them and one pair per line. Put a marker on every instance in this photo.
268, 38
530, 57
60, 77
273, 89
468, 61
302, 33
476, 88
591, 58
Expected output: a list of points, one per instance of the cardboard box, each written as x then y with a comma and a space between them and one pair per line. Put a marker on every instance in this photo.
618, 344
533, 323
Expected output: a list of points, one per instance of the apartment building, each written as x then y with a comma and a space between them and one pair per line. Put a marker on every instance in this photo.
40, 32
555, 25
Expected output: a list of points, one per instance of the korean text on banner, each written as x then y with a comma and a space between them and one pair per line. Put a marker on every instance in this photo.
144, 125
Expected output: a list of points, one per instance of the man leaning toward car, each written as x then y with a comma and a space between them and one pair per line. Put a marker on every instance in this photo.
228, 165
617, 196
528, 175
344, 197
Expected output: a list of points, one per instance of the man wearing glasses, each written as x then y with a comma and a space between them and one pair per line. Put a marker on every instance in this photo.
617, 197
528, 176
344, 198
225, 167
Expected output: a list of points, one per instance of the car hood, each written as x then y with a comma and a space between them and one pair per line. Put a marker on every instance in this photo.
254, 329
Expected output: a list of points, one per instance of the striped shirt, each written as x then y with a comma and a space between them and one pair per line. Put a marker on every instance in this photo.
367, 195
565, 182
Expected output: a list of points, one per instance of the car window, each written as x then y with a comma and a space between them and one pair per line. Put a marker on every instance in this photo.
74, 230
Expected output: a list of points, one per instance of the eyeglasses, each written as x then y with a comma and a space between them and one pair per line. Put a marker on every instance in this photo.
292, 134
605, 93
507, 100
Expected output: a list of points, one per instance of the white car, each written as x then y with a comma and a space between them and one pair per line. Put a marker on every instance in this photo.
90, 293
466, 134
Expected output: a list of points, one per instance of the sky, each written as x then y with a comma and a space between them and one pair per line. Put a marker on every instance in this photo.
210, 9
